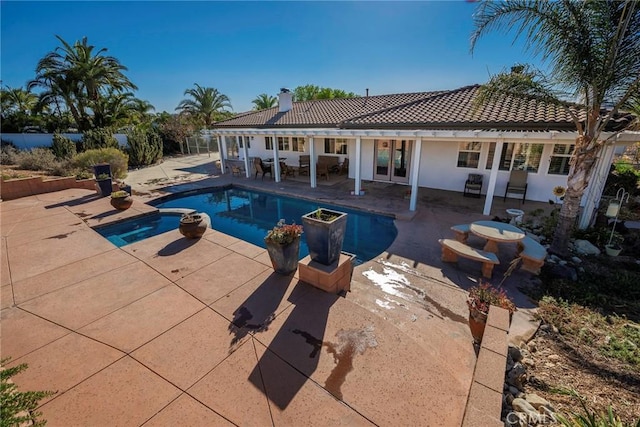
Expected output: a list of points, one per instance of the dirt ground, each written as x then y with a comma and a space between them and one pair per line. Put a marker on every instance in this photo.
602, 381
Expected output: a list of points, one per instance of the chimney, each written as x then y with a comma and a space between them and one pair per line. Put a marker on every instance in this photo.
285, 100
367, 92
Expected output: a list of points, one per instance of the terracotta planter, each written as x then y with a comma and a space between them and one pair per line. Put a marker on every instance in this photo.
121, 203
325, 238
193, 227
284, 258
477, 323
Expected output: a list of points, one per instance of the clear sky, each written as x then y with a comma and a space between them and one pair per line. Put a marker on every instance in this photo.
247, 48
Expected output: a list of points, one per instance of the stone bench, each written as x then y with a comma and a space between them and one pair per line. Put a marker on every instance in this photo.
462, 232
451, 249
533, 255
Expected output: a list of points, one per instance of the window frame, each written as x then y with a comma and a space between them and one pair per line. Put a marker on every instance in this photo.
268, 143
284, 144
571, 150
468, 148
511, 152
298, 142
331, 146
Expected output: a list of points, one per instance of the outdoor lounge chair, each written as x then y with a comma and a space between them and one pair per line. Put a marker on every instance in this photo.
261, 168
305, 164
517, 184
473, 185
344, 167
286, 170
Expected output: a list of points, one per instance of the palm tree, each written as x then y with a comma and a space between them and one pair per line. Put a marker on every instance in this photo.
16, 100
80, 78
264, 101
593, 49
206, 106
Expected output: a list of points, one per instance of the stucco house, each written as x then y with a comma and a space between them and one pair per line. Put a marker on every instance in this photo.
424, 139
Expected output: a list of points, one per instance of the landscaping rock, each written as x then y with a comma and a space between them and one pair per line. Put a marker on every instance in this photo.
517, 376
585, 247
563, 272
576, 260
525, 407
537, 401
515, 353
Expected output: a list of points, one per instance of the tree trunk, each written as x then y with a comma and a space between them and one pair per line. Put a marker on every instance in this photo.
577, 181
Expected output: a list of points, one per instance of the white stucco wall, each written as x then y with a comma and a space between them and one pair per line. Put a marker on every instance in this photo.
27, 141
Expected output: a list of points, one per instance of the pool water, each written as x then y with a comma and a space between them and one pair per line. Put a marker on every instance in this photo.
248, 215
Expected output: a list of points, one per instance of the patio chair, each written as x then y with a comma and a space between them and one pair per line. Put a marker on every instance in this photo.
305, 164
261, 168
344, 167
322, 169
473, 185
517, 184
286, 170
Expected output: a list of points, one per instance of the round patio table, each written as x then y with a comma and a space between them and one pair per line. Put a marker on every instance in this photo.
496, 232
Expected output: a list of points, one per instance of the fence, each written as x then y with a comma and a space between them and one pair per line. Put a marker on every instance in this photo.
198, 145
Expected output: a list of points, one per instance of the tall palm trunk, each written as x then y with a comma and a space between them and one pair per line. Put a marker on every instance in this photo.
581, 166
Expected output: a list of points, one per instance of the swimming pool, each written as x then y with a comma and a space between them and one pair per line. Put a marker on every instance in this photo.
249, 214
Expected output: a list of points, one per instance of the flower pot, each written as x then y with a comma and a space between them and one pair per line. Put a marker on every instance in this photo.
612, 250
284, 257
477, 323
325, 236
105, 187
192, 226
121, 203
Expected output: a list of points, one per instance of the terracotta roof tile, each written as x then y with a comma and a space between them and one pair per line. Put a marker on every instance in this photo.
452, 109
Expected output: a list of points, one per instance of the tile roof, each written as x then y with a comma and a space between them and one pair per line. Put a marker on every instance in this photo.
452, 109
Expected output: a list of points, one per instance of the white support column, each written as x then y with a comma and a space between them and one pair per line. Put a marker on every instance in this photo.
247, 164
415, 174
493, 177
221, 153
276, 160
312, 165
223, 147
358, 172
596, 185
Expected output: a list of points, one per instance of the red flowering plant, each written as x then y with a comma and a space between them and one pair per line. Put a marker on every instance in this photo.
283, 233
485, 295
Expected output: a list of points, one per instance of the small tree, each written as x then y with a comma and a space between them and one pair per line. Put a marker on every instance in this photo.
144, 146
63, 147
99, 138
18, 407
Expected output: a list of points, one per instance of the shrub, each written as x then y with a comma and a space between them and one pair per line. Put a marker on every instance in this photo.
63, 147
37, 159
622, 176
8, 153
145, 147
98, 138
18, 408
116, 158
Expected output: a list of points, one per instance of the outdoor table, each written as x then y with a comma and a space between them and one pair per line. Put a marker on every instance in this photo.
496, 232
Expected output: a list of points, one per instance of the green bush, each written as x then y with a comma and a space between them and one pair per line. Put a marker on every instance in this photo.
18, 408
63, 147
116, 158
624, 176
98, 138
145, 147
8, 153
37, 159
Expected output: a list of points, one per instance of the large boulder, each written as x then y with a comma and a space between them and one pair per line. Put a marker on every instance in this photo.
585, 247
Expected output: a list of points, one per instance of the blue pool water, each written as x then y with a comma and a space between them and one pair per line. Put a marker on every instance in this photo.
248, 215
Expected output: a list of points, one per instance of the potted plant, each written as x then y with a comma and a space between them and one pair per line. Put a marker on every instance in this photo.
121, 200
283, 246
613, 248
481, 297
192, 225
325, 230
104, 184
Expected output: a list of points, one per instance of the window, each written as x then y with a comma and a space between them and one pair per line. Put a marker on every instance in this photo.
335, 145
524, 156
297, 144
232, 147
283, 143
268, 143
560, 157
469, 154
245, 138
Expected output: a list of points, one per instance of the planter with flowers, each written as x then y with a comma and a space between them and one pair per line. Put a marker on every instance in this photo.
192, 225
283, 246
121, 200
481, 297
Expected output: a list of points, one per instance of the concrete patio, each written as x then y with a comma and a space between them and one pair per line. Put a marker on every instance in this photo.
169, 331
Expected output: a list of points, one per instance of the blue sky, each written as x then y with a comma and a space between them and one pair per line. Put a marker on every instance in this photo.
247, 48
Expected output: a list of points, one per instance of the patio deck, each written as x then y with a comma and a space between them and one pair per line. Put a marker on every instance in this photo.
169, 331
